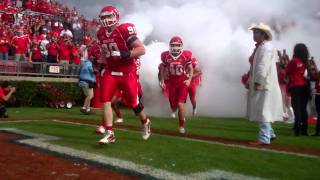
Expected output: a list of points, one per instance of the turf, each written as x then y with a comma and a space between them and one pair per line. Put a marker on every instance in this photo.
232, 128
177, 154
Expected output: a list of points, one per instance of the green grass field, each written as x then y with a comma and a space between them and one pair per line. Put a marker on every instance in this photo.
178, 154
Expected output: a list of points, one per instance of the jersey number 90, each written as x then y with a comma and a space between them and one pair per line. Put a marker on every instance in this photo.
108, 48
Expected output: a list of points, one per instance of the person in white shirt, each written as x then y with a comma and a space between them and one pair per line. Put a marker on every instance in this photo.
66, 31
264, 95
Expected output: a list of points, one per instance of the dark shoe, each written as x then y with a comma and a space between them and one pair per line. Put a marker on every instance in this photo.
82, 110
85, 111
273, 138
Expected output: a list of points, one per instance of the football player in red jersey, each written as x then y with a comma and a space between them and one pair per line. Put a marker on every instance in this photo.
120, 47
195, 82
177, 62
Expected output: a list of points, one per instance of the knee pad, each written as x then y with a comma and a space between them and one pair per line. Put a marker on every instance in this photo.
138, 108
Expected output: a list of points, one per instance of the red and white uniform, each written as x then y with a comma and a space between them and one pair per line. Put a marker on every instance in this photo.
120, 73
195, 82
176, 67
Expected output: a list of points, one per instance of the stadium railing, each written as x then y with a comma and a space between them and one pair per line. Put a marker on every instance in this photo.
44, 69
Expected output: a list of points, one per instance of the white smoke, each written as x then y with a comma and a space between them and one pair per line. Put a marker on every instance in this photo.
217, 33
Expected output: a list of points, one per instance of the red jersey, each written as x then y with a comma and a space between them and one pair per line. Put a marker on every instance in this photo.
295, 72
64, 51
117, 40
21, 43
52, 48
36, 53
75, 56
176, 66
55, 32
4, 45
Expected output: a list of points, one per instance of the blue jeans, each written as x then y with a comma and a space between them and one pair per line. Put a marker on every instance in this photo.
266, 132
3, 56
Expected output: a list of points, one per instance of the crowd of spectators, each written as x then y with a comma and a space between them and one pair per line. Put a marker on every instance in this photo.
44, 31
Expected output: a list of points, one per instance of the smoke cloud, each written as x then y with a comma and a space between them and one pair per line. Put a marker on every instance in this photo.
217, 33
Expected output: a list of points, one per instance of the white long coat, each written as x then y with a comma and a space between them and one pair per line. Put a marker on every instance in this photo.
264, 105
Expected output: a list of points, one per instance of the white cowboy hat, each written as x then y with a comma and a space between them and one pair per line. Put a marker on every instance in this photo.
263, 27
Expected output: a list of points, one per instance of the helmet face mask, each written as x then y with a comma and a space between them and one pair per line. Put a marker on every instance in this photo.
176, 46
109, 16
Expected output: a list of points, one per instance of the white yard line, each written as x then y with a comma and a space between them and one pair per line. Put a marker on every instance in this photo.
20, 121
40, 141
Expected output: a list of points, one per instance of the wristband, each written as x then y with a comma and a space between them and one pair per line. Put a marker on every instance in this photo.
125, 54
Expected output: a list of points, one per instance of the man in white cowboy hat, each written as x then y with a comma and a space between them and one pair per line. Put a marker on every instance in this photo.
264, 96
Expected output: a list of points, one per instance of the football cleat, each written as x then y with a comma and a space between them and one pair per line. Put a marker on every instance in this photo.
119, 120
146, 130
100, 130
182, 130
108, 138
173, 115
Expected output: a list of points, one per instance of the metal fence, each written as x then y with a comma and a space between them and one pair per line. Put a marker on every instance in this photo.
23, 68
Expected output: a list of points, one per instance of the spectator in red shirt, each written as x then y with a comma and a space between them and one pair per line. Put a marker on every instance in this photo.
299, 89
65, 46
35, 52
36, 56
75, 54
4, 46
53, 49
6, 92
21, 44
